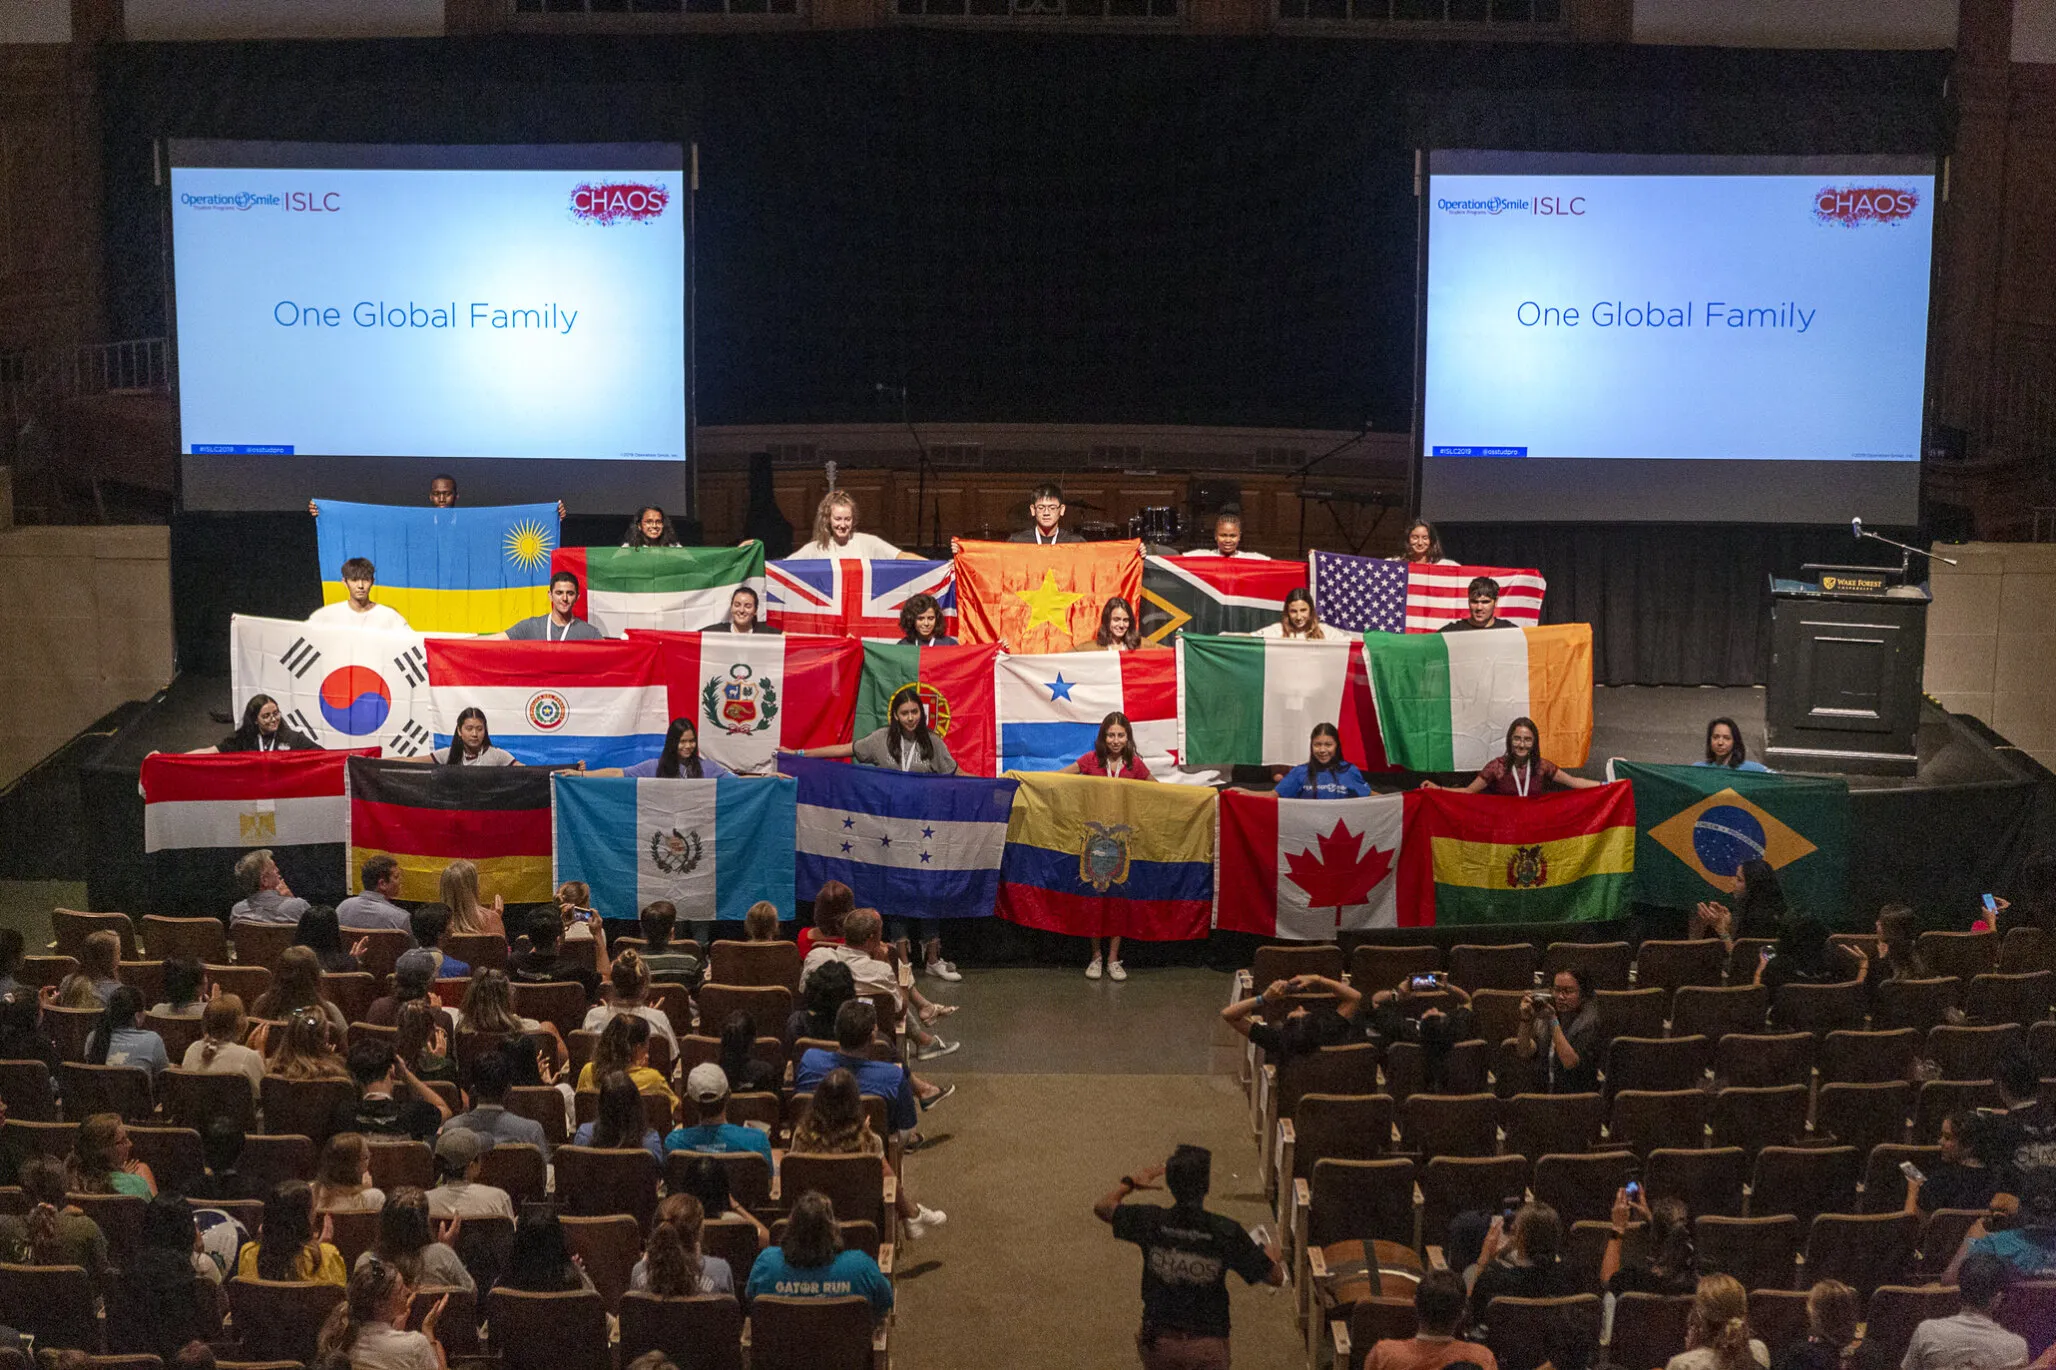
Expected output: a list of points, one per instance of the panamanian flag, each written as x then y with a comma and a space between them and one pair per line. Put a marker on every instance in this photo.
340, 685
856, 598
1050, 706
711, 847
924, 846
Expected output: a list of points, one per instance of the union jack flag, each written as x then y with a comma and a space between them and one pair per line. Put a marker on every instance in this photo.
856, 598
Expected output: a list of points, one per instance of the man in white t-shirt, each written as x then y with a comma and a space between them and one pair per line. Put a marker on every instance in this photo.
836, 535
1973, 1338
356, 608
1227, 539
458, 1152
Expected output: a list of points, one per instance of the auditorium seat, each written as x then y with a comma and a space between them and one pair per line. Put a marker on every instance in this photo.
1513, 1073
1543, 1124
1644, 1120
749, 1174
46, 970
178, 1030
1961, 954
766, 1005
543, 1104
1863, 1251
1508, 965
478, 950
2019, 998
1877, 1057
1754, 1117
2026, 949
1364, 1200
1632, 1012
1604, 963
1459, 1184
1350, 1069
1671, 965
70, 928
1893, 1312
174, 1154
1432, 1125
2041, 1044
1385, 1317
351, 991
41, 1139
1648, 1329
676, 1002
596, 1181
472, 1045
1657, 1063
694, 1049
146, 978
247, 983
396, 1163
1760, 1059
261, 944
1941, 1236
1496, 1013
701, 1332
1778, 1318
458, 1327
190, 939
25, 1085
1714, 1013
1352, 1126
1582, 1187
608, 1246
307, 1107
1707, 1179
561, 1002
383, 947
194, 1098
1820, 1009
69, 1028
556, 1331
1972, 1053
1745, 956
120, 1217
1884, 1184
518, 1168
1372, 968
353, 1233
1940, 1098
1527, 1332
1805, 1181
1584, 1251
812, 1334
2030, 1309
1863, 1115
1760, 1252
280, 1319
1463, 1070
89, 1090
734, 1240
1916, 1004
53, 1304
1272, 961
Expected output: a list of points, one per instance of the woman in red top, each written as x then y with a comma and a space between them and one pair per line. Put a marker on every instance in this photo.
1113, 754
1521, 771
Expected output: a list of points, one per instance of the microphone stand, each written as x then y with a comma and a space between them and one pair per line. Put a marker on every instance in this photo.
920, 463
1300, 472
1906, 553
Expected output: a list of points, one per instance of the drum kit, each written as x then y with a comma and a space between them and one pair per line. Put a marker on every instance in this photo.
1157, 525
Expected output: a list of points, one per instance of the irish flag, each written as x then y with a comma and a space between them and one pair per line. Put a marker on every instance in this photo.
1307, 869
1445, 699
1253, 701
1489, 858
677, 589
749, 694
956, 689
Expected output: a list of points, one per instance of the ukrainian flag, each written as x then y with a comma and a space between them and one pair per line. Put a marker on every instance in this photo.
1698, 823
1097, 857
444, 570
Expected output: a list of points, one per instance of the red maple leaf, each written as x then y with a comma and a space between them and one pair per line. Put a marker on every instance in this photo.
1343, 873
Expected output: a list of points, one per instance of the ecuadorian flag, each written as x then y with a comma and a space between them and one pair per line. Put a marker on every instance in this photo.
1098, 857
1487, 858
444, 570
1699, 823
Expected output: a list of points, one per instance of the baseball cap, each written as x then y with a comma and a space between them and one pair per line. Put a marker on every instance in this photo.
459, 1146
416, 965
705, 1083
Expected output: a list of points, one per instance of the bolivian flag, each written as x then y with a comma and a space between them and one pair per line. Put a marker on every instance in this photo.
1445, 699
1098, 857
426, 816
1483, 858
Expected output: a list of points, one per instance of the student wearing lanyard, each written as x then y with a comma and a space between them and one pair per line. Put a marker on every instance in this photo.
904, 744
264, 730
1113, 755
1046, 505
558, 625
1521, 770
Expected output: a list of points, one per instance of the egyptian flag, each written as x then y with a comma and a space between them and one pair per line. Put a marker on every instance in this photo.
955, 685
426, 816
749, 694
240, 800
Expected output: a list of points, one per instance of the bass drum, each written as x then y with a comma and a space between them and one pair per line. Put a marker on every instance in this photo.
1157, 525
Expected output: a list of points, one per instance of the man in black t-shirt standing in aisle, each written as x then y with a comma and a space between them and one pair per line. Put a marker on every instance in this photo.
1187, 1253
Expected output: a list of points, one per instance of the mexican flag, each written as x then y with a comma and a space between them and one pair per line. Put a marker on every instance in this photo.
1255, 700
1445, 699
1490, 858
676, 589
1307, 869
749, 694
956, 690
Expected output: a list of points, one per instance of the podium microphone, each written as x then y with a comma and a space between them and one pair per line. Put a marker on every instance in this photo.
1856, 527
1906, 553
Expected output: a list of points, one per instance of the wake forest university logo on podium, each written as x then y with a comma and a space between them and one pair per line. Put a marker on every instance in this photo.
739, 702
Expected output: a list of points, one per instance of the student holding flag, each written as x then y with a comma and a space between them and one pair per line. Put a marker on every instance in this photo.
1296, 619
1520, 770
263, 730
1113, 755
836, 535
651, 527
679, 760
904, 744
1324, 774
1119, 628
356, 608
921, 623
742, 615
1424, 545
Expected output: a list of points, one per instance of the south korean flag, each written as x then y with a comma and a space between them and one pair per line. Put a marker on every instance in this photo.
341, 686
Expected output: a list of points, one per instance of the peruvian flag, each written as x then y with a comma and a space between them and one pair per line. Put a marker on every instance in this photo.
748, 694
1307, 869
244, 799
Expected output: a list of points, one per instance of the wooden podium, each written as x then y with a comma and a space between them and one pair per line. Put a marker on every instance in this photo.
1845, 674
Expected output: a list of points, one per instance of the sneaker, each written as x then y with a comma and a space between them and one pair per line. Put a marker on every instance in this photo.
943, 970
1116, 970
932, 1100
924, 1219
1092, 971
936, 1047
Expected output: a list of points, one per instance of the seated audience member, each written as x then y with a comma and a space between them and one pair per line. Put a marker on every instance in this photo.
549, 962
12, 949
1120, 628
97, 976
1297, 620
458, 1153
750, 1075
22, 1037
321, 932
630, 978
429, 923
286, 1246
54, 1231
1759, 908
1724, 748
624, 1046
2022, 1136
540, 1262
706, 1094
835, 1125
1521, 769
707, 1180
1898, 955
422, 1041
1563, 1028
742, 615
391, 1102
1805, 954
651, 527
489, 1008
674, 1266
1832, 1315
220, 1050
1717, 1334
866, 935
266, 899
1424, 545
263, 729
1519, 1263
2027, 1242
1046, 508
296, 988
368, 1329
855, 1024
166, 1303
185, 994
861, 928
620, 1124
1438, 1313
420, 1248
1227, 539
103, 1160
413, 975
836, 535
832, 903
471, 746
342, 1177
669, 962
680, 758
120, 1039
529, 1063
1960, 1179
1302, 1030
1324, 774
821, 997
921, 623
374, 909
811, 1262
221, 1151
560, 624
470, 915
1972, 1338
1405, 1013
491, 1077
1666, 1267
2035, 906
1484, 600
904, 744
355, 609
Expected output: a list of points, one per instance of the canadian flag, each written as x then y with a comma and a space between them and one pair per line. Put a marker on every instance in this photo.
1306, 869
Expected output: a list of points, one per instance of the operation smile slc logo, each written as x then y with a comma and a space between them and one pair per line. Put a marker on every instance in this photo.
286, 201
1537, 206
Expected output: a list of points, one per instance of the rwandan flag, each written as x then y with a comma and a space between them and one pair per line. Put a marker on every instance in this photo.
1098, 857
444, 570
1696, 824
956, 690
1488, 858
425, 817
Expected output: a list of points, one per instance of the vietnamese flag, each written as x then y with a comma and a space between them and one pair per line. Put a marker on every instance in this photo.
1498, 858
1042, 599
956, 689
748, 694
1307, 869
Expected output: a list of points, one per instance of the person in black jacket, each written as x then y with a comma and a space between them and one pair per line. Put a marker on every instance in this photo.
1562, 1027
742, 615
1519, 1260
1046, 507
263, 730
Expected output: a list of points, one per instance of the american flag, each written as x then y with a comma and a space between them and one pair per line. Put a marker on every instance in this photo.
855, 598
1372, 594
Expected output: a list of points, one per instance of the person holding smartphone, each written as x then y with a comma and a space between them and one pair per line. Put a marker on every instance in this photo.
1300, 1030
1428, 1010
1960, 1179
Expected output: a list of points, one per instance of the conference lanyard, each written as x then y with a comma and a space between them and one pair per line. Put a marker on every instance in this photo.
550, 631
1522, 777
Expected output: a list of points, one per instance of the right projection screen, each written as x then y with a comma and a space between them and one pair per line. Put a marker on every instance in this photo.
1674, 339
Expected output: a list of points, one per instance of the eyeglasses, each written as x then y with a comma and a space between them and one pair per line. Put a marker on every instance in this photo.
1047, 508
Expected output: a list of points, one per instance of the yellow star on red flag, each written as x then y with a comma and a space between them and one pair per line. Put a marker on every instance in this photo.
1047, 604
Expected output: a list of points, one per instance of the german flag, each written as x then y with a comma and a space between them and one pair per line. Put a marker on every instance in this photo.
1484, 858
425, 817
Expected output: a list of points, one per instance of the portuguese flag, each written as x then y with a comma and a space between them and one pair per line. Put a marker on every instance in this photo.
1484, 858
425, 817
678, 589
1445, 699
956, 689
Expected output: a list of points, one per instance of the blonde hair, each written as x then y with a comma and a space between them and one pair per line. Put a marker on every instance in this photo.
760, 924
822, 533
372, 1286
90, 1166
675, 1262
489, 1003
99, 959
458, 885
222, 1022
341, 1174
304, 1052
1720, 1321
630, 976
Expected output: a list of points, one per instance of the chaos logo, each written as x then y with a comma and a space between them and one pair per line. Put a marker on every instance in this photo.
616, 202
1854, 205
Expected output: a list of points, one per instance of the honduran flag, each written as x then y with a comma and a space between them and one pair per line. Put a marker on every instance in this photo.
1249, 701
1050, 707
425, 817
924, 846
955, 685
1445, 700
1308, 869
856, 597
1492, 858
749, 694
552, 703
244, 799
711, 847
676, 589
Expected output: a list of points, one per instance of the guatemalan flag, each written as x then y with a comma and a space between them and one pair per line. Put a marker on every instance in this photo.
854, 597
1050, 706
552, 703
923, 846
711, 847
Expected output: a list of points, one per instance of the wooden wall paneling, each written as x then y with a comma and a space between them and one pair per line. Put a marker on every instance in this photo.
49, 197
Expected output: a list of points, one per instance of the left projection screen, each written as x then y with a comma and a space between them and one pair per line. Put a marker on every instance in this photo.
352, 319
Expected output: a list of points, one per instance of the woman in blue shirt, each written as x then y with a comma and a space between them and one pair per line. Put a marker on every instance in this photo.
811, 1262
680, 759
121, 1039
1325, 775
621, 1123
1724, 748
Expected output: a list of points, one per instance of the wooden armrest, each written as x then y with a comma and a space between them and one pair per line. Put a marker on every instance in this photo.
892, 1188
879, 1336
1317, 1263
1238, 988
885, 1258
1303, 1193
1436, 1261
1286, 1135
1339, 1331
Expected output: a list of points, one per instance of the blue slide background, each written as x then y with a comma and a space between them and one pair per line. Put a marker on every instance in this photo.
613, 387
1849, 388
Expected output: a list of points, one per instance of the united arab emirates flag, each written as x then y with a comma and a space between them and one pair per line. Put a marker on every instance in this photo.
1306, 869
679, 589
1489, 858
1213, 594
1445, 699
1696, 824
956, 689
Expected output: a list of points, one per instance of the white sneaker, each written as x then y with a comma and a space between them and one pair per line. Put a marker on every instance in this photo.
943, 970
936, 1048
924, 1219
1116, 970
1092, 971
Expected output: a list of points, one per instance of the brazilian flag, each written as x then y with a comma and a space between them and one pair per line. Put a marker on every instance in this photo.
1695, 824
